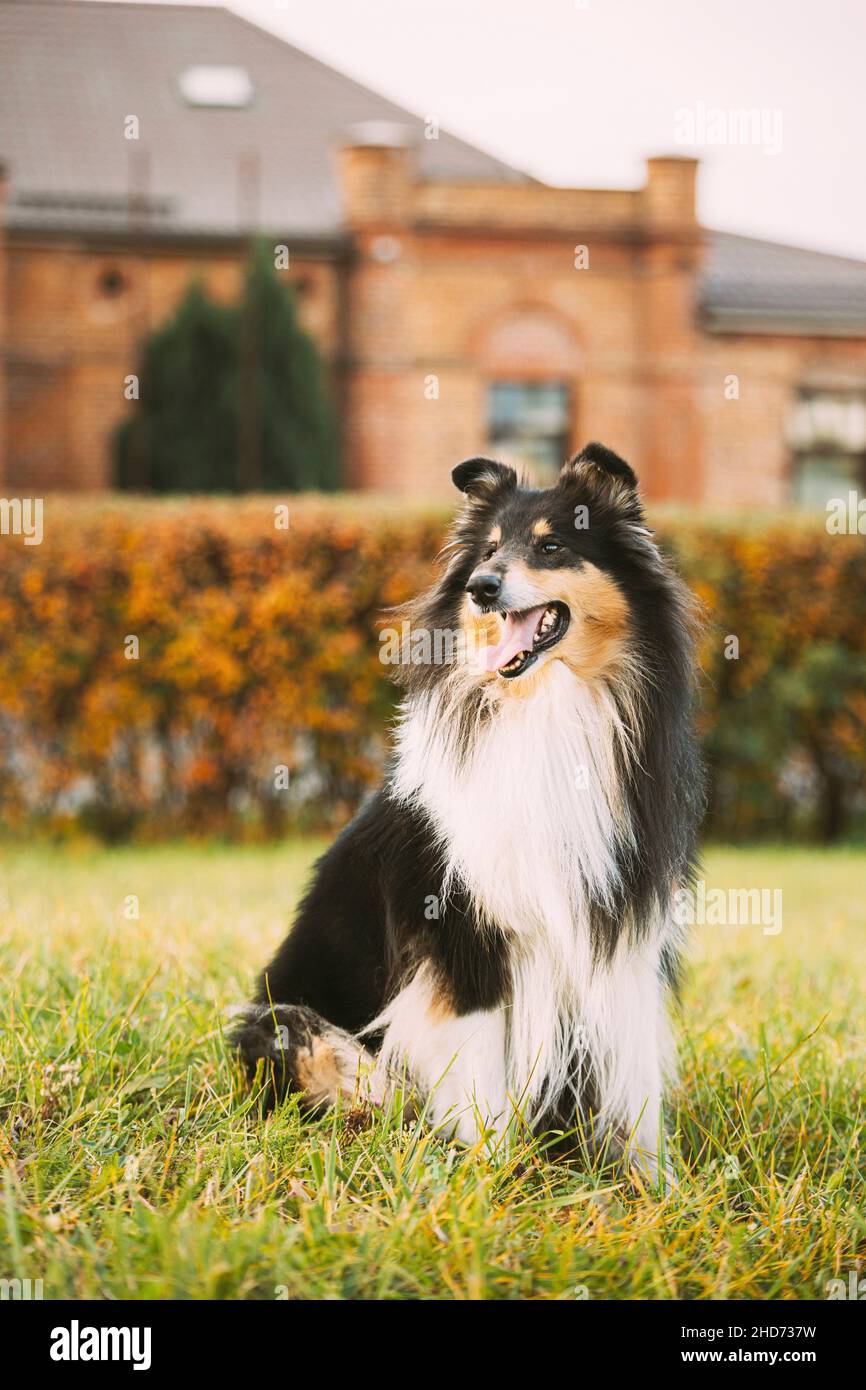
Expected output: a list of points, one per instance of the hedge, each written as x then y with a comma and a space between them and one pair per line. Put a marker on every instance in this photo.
191, 667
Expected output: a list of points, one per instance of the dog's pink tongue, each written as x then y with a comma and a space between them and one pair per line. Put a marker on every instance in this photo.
517, 635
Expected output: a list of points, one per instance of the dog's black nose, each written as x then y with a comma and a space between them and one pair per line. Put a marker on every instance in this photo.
484, 588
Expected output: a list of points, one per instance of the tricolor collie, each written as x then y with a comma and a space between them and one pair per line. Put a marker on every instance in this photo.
496, 924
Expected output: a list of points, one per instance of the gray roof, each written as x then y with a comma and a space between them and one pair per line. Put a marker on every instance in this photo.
750, 284
72, 71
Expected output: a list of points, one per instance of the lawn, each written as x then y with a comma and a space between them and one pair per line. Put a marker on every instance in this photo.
135, 1166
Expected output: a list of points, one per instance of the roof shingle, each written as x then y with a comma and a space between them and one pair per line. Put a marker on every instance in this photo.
75, 70
749, 283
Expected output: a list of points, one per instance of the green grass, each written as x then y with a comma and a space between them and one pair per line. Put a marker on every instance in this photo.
135, 1166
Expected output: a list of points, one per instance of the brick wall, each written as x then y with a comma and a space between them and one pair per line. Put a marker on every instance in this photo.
76, 314
458, 286
449, 288
747, 460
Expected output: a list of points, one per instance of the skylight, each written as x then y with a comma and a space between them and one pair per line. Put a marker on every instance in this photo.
216, 86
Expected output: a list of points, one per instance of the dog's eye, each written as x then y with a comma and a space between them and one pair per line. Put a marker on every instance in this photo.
489, 552
550, 547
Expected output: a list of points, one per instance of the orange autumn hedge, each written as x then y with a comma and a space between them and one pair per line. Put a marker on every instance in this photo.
257, 650
254, 700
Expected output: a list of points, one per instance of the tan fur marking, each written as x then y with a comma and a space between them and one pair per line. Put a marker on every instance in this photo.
319, 1074
596, 643
439, 1009
495, 536
542, 528
481, 629
540, 581
328, 1071
596, 640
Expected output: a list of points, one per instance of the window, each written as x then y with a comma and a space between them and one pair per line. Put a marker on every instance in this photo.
112, 282
530, 424
216, 86
828, 437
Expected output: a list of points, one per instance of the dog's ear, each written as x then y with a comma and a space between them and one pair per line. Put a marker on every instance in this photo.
482, 478
597, 464
606, 480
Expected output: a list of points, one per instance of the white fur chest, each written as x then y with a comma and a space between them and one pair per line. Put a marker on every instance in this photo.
531, 816
531, 812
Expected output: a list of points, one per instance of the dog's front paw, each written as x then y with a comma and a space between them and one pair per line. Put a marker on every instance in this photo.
299, 1051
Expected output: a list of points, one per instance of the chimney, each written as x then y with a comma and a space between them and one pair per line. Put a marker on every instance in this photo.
376, 169
668, 196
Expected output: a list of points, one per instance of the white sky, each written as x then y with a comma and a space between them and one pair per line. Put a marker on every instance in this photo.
580, 91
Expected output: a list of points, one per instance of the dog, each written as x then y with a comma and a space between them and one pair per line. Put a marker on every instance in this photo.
496, 925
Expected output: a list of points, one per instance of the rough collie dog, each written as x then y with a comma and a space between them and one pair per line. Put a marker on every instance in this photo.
496, 924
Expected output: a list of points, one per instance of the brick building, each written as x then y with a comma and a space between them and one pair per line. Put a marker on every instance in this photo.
461, 305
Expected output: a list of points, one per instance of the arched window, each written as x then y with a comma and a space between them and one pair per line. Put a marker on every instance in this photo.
530, 363
530, 422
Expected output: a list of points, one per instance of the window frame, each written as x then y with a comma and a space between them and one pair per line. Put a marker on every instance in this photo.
558, 442
823, 447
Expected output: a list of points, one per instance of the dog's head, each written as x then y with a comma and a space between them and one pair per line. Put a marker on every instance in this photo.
567, 581
553, 574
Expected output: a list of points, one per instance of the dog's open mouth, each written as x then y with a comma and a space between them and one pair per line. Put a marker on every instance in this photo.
524, 637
